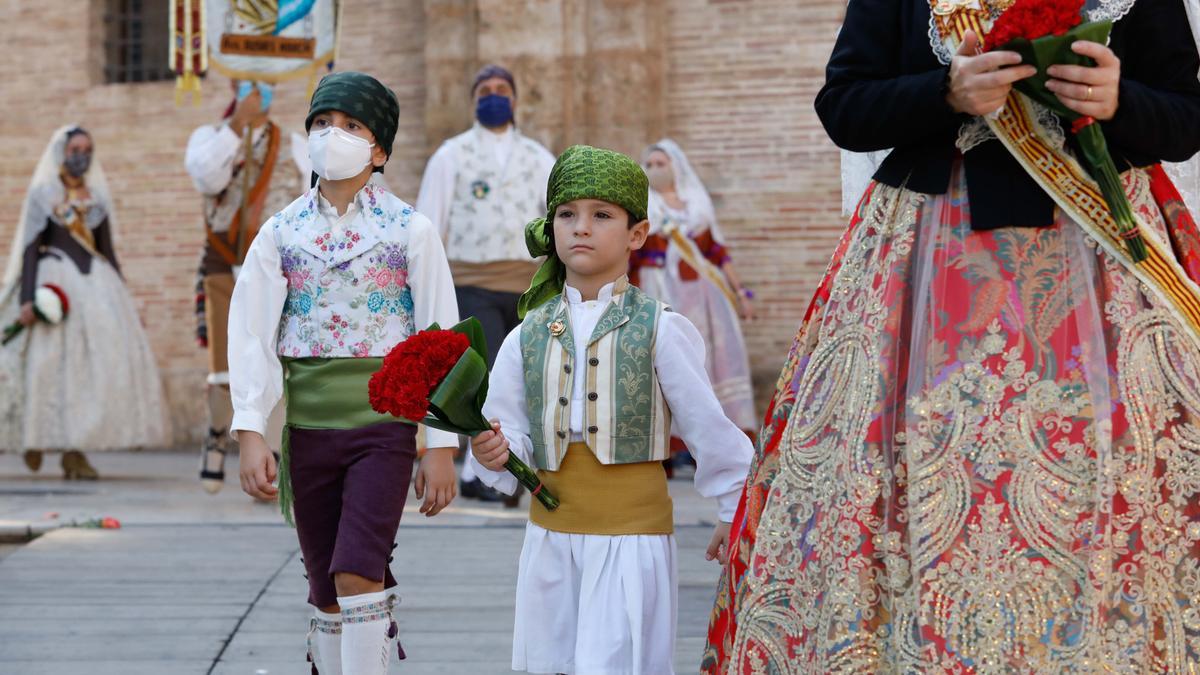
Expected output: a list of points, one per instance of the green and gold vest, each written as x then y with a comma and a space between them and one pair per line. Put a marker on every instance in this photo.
626, 418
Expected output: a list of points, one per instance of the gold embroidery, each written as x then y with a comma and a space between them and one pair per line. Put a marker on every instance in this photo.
1009, 496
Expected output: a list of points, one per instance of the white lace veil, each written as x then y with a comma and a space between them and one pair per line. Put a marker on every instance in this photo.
45, 192
858, 167
690, 189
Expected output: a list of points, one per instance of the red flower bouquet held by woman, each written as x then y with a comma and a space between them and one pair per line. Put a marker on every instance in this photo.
439, 378
1042, 32
50, 305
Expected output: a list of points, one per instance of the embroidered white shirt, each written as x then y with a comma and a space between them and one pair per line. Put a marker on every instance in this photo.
212, 151
316, 283
514, 173
722, 451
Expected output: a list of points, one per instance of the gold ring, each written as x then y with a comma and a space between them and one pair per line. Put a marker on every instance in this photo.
1089, 94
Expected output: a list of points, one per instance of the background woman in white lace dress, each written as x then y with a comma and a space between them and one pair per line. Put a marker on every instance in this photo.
685, 264
89, 382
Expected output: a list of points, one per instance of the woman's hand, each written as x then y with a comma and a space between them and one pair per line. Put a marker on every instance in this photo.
745, 306
27, 318
979, 83
1088, 90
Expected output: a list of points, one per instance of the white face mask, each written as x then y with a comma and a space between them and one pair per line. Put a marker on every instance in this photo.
338, 154
661, 178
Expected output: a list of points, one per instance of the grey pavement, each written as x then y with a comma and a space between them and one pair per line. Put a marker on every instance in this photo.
193, 583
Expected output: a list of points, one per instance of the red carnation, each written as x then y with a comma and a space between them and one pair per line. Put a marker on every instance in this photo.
412, 370
1032, 19
447, 366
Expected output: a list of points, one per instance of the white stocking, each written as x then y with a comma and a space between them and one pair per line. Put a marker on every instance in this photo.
325, 643
367, 633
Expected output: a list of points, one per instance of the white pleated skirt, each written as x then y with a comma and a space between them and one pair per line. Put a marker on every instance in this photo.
89, 383
592, 604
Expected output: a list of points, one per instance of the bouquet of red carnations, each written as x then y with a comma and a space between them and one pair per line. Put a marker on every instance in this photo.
1042, 32
50, 305
439, 378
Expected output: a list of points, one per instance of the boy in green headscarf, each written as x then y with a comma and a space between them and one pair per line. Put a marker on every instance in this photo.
329, 286
585, 389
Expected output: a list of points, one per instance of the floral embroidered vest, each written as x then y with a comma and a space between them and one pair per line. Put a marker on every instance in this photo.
492, 203
626, 418
348, 293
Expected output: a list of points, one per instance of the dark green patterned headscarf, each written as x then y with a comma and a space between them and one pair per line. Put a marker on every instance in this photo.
362, 97
581, 172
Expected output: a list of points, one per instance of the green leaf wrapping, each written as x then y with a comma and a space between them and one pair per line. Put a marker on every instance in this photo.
1056, 49
456, 405
1094, 149
454, 401
529, 478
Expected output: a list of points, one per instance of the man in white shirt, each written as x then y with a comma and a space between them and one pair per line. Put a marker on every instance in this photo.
480, 189
244, 172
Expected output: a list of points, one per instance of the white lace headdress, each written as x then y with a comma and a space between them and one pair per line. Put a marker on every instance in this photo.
45, 191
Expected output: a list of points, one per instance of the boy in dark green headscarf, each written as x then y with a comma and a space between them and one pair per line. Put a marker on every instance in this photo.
330, 285
585, 389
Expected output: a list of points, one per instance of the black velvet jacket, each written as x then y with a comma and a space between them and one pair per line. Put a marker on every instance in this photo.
55, 241
885, 88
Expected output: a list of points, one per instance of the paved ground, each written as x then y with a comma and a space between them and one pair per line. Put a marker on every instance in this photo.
199, 584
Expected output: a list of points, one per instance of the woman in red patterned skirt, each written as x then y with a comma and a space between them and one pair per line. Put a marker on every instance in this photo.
984, 451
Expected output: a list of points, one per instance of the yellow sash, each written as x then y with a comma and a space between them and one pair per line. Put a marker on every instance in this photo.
1068, 183
609, 499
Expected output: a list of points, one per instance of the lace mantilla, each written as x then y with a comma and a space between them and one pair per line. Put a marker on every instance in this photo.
1111, 10
1097, 10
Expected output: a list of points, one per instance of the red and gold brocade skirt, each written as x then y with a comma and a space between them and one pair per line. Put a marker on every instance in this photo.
983, 456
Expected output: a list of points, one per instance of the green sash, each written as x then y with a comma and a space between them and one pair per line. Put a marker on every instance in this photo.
324, 393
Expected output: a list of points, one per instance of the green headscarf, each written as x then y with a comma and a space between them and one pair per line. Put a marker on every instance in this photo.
362, 97
581, 172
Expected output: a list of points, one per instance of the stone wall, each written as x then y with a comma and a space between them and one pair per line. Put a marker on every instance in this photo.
731, 80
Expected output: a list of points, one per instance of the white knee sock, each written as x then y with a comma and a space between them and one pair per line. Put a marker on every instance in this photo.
367, 633
325, 643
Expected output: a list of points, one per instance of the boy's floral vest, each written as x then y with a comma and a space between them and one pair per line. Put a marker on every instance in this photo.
625, 418
348, 293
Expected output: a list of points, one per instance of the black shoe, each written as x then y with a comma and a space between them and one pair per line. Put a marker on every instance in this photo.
212, 462
469, 490
475, 489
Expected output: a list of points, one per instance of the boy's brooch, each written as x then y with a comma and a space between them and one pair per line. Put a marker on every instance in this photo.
557, 328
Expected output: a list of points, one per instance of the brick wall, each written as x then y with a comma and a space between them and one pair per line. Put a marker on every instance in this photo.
740, 79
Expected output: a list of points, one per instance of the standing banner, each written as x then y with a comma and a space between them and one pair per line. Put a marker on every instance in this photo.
187, 56
261, 40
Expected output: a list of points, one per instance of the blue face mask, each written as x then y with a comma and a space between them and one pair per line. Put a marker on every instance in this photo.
265, 91
494, 110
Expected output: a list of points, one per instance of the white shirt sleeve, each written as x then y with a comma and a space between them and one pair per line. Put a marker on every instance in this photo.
211, 152
255, 372
437, 188
433, 295
722, 450
506, 402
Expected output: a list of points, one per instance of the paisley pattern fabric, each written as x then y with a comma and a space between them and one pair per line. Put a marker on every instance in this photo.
982, 457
